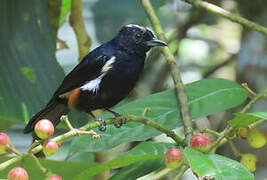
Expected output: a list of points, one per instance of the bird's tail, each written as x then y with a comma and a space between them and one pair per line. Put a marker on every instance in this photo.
53, 111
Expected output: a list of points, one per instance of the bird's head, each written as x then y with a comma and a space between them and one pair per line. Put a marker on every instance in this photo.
137, 39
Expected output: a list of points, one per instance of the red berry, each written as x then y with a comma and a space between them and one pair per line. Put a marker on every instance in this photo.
50, 148
200, 142
53, 177
17, 173
44, 129
4, 141
173, 158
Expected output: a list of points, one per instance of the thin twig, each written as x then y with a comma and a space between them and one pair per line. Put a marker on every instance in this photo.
250, 92
84, 131
175, 71
40, 166
225, 14
254, 100
218, 66
181, 172
10, 162
234, 149
76, 22
11, 148
210, 131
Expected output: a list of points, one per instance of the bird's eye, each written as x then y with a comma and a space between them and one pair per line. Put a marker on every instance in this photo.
138, 35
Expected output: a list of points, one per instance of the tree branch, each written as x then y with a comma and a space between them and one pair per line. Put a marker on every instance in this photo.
175, 71
76, 21
84, 131
232, 17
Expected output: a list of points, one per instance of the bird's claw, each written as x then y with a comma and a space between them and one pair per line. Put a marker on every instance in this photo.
122, 121
102, 127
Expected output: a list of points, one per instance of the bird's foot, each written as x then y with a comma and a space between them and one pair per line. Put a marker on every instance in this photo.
118, 116
102, 127
122, 121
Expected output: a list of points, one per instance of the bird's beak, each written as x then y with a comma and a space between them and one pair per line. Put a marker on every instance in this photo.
155, 42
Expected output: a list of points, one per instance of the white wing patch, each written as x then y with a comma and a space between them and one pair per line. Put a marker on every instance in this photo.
93, 85
108, 65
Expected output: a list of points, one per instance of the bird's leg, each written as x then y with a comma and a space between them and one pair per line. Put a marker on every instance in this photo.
102, 120
122, 121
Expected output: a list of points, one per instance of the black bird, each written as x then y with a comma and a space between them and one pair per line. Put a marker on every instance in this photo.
103, 78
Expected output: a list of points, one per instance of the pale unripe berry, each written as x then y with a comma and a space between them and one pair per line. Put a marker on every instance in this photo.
173, 158
50, 148
53, 177
4, 141
17, 173
200, 142
256, 138
242, 132
249, 160
44, 129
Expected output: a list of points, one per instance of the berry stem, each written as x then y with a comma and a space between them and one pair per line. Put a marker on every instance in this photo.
254, 100
181, 172
210, 131
234, 149
40, 166
12, 149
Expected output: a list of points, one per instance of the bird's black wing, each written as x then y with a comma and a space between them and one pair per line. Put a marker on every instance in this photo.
88, 69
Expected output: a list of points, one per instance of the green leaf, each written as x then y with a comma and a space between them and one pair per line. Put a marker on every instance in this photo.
139, 169
27, 56
144, 151
245, 119
217, 166
25, 113
65, 169
205, 97
65, 9
28, 73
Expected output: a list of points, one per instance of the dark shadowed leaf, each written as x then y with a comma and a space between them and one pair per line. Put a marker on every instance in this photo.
29, 72
205, 97
144, 151
139, 169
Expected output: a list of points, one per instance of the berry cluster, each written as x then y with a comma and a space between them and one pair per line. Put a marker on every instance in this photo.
44, 129
256, 138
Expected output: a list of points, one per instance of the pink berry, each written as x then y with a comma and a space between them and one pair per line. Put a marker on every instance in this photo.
4, 141
44, 129
200, 142
17, 173
50, 148
53, 177
173, 158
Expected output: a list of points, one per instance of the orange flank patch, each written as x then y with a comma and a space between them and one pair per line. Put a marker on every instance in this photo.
73, 97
